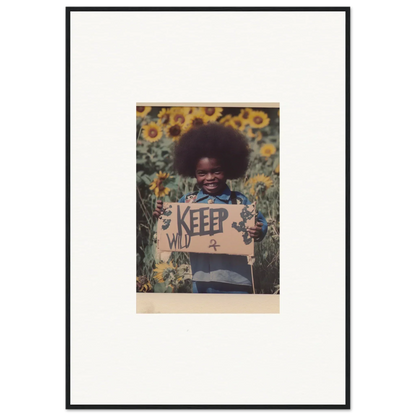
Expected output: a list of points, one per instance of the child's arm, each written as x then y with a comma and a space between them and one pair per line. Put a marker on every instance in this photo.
256, 231
259, 231
158, 210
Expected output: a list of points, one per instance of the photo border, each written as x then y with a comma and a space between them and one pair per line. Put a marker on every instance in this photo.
351, 236
212, 303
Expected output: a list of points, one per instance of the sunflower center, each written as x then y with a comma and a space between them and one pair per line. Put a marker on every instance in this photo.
159, 184
152, 133
164, 119
140, 109
245, 114
238, 123
179, 118
198, 122
175, 130
257, 120
210, 111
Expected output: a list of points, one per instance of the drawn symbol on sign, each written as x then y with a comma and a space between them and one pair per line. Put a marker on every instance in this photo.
213, 243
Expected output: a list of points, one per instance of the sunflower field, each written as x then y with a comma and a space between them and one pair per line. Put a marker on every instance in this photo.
157, 131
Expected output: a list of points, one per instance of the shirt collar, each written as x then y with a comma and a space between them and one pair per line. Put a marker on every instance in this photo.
224, 196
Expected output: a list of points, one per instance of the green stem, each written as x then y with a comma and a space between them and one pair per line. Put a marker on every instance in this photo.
143, 205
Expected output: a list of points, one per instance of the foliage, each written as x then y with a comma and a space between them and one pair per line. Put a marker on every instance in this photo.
157, 131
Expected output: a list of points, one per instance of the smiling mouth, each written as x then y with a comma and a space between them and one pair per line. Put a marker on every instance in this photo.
211, 185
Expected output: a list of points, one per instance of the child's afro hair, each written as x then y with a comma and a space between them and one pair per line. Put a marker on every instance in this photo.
212, 140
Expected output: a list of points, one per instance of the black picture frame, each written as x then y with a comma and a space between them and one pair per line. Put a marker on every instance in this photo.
349, 407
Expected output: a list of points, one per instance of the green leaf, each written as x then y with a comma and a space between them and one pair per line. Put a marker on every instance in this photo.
160, 165
275, 163
160, 288
146, 179
143, 147
272, 137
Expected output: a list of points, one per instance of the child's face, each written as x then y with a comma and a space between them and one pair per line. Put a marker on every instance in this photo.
210, 176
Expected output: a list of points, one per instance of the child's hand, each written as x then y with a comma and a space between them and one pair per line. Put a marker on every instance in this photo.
158, 210
255, 232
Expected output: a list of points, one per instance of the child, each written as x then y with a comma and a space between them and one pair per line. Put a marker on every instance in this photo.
212, 154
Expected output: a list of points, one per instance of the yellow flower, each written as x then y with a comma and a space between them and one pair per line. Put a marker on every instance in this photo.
258, 119
245, 115
259, 184
179, 115
225, 119
267, 150
164, 116
185, 110
164, 271
152, 132
142, 111
157, 185
211, 113
142, 284
196, 119
250, 133
175, 131
236, 122
277, 170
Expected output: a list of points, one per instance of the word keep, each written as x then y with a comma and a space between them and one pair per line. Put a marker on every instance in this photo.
201, 221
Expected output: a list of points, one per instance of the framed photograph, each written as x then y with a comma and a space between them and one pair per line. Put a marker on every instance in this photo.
208, 161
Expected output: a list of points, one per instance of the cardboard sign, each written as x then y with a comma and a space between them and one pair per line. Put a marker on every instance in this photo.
206, 228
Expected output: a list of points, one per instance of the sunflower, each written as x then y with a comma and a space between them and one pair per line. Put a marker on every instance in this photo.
211, 113
175, 131
196, 119
258, 119
152, 132
179, 115
250, 133
185, 110
164, 272
277, 170
142, 284
259, 184
245, 114
142, 111
236, 122
267, 150
225, 119
157, 185
164, 116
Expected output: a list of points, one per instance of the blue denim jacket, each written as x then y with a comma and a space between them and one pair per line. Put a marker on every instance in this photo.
223, 268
